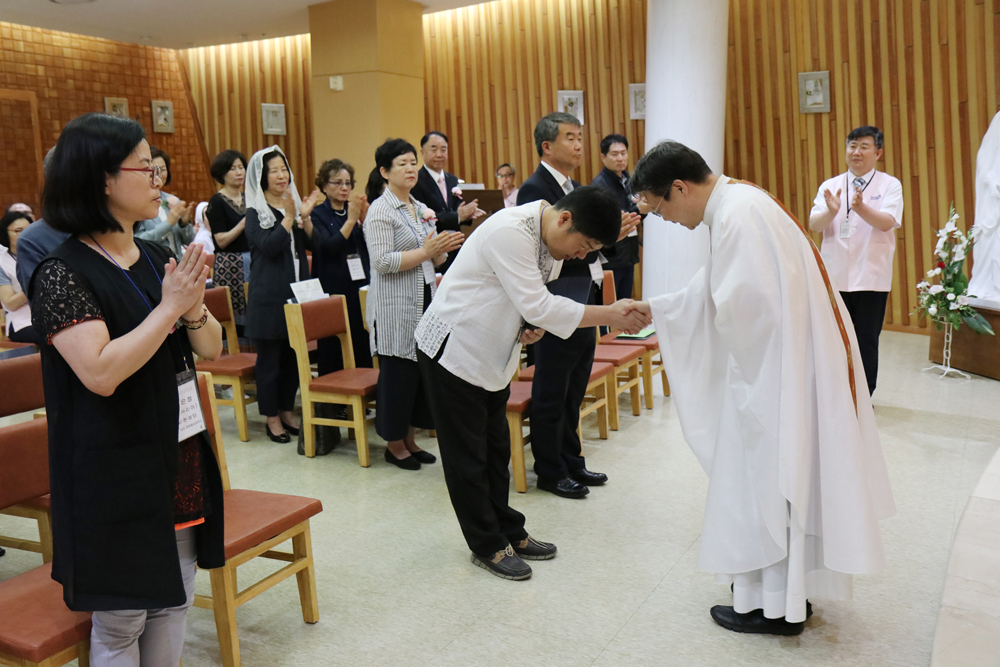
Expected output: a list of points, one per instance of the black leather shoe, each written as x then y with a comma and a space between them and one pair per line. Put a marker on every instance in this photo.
505, 564
291, 429
283, 438
424, 457
754, 622
531, 549
588, 478
409, 463
565, 487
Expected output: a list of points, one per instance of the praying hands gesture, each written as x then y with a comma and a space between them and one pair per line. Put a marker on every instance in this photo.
442, 243
184, 283
629, 222
357, 209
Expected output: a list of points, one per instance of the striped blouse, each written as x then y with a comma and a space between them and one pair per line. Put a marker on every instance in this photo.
395, 298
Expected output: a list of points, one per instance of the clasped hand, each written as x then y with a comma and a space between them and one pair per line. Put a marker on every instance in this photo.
629, 222
470, 211
630, 316
184, 283
442, 242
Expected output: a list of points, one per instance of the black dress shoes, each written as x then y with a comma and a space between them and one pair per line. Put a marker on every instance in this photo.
291, 429
531, 549
565, 487
505, 564
755, 622
409, 463
588, 478
283, 438
424, 457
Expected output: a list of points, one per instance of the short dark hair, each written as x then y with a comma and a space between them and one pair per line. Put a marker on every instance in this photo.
433, 133
610, 140
331, 167
223, 162
154, 153
8, 219
665, 163
596, 213
90, 148
390, 150
547, 128
375, 186
263, 167
508, 165
867, 131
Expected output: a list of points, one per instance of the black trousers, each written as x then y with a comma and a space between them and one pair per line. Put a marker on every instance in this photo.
474, 442
402, 399
26, 335
867, 310
277, 376
562, 372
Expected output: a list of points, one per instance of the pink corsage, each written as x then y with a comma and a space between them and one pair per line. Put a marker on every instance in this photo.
429, 217
457, 191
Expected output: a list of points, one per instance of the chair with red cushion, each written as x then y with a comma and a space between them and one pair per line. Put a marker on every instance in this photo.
234, 369
256, 523
353, 387
596, 398
36, 627
518, 405
25, 373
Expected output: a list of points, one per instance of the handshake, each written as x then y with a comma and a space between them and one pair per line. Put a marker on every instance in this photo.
629, 316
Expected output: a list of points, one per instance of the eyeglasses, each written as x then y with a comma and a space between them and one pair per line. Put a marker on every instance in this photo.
338, 184
154, 172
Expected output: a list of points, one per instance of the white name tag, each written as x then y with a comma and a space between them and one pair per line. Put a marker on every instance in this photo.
596, 272
845, 230
308, 290
634, 232
429, 275
190, 420
356, 268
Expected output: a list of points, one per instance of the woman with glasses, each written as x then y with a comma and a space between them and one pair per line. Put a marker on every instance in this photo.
173, 225
137, 497
15, 303
226, 214
340, 257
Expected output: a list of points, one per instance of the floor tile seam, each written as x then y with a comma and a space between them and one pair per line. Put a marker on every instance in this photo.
462, 632
550, 635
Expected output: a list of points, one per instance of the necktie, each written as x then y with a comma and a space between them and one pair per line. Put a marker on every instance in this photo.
568, 186
444, 190
859, 182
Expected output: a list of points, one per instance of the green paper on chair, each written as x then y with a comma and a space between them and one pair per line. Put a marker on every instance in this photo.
642, 335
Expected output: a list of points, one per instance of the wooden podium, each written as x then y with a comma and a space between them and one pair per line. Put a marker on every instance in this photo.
971, 352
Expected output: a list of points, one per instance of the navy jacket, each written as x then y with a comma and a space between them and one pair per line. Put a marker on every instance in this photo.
625, 253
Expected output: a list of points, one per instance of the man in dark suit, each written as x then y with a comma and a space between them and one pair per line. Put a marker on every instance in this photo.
623, 257
562, 367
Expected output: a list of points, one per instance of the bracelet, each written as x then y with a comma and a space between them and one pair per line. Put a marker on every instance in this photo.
197, 324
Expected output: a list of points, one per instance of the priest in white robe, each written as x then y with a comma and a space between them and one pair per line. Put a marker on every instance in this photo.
985, 281
771, 396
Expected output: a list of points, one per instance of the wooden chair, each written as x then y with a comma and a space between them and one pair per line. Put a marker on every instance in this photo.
25, 373
234, 369
625, 360
256, 523
353, 387
36, 628
517, 409
596, 399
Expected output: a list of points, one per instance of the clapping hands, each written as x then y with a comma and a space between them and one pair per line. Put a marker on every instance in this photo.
442, 242
470, 211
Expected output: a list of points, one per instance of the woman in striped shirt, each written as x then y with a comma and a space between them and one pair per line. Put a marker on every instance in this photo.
404, 249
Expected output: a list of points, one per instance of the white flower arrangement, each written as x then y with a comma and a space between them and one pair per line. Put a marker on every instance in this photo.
948, 300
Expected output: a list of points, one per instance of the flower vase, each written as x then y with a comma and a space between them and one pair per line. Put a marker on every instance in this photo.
945, 366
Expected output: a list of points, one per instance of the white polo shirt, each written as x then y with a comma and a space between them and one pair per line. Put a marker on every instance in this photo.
858, 257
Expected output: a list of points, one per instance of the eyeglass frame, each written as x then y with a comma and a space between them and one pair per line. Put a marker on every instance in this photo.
338, 184
154, 171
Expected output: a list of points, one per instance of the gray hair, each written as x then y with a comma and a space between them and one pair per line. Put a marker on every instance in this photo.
548, 128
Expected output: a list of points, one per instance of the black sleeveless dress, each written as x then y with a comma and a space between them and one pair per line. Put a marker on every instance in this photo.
120, 480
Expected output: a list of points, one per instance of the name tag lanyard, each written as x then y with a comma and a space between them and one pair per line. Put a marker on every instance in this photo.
191, 420
847, 188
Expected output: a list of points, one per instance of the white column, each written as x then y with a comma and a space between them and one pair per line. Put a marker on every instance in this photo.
686, 52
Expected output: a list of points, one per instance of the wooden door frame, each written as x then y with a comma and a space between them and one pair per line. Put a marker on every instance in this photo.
31, 98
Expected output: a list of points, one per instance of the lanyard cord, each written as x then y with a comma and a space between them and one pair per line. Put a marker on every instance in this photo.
125, 273
848, 188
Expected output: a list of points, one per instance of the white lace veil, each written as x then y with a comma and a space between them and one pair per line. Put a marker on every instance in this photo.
255, 196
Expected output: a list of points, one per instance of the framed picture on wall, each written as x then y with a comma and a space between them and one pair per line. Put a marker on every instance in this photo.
163, 116
814, 92
571, 102
273, 118
637, 101
116, 106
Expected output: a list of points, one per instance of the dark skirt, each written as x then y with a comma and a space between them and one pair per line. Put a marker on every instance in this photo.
232, 269
402, 402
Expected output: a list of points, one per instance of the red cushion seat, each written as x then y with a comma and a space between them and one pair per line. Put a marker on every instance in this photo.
352, 381
36, 622
233, 365
597, 371
253, 517
619, 355
520, 397
39, 502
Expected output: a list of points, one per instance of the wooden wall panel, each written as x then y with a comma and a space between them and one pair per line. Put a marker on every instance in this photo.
492, 70
228, 84
924, 71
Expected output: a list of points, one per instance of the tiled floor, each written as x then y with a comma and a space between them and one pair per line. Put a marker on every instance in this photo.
396, 586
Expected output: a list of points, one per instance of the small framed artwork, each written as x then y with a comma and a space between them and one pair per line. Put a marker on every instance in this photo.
814, 92
116, 106
273, 118
163, 115
637, 101
571, 102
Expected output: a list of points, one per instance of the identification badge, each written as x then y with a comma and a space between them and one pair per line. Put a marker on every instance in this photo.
190, 418
634, 232
429, 275
845, 230
596, 272
356, 268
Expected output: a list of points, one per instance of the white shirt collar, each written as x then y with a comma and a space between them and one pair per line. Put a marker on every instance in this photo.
867, 178
715, 199
561, 179
436, 175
